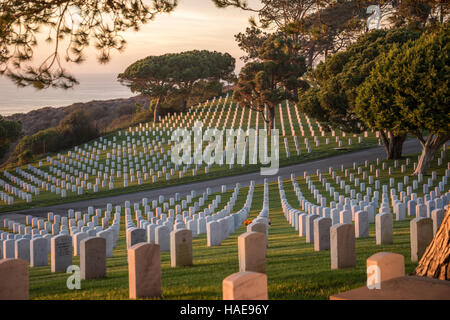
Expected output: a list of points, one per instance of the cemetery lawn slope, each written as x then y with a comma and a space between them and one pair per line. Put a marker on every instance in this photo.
294, 269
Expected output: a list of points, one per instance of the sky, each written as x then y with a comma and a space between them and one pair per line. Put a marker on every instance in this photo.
194, 24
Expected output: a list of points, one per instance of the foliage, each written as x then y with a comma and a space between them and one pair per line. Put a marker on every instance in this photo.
77, 128
250, 42
407, 90
327, 26
25, 157
272, 79
418, 12
177, 74
205, 90
39, 143
331, 99
73, 130
9, 132
78, 23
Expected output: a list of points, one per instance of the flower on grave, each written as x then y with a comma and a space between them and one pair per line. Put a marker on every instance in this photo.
247, 222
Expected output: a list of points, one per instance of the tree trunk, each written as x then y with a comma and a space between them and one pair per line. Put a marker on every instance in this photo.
433, 143
393, 144
271, 119
435, 262
156, 111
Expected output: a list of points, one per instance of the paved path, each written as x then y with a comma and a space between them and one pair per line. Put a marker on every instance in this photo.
347, 159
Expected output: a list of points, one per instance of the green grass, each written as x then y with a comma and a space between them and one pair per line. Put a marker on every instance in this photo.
294, 269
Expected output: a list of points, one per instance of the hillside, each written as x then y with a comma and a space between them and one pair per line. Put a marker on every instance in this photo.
107, 113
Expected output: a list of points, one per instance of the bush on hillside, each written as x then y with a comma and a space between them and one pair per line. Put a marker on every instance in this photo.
77, 128
9, 132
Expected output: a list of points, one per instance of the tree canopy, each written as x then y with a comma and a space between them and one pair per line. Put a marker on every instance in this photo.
331, 99
77, 23
271, 79
177, 74
407, 91
325, 27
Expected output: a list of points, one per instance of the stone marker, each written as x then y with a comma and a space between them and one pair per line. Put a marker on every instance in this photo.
162, 238
384, 228
144, 270
108, 235
437, 215
252, 252
401, 212
342, 246
310, 227
22, 249
322, 234
401, 288
259, 227
9, 249
213, 234
61, 253
14, 281
93, 258
245, 286
77, 238
361, 224
181, 248
421, 234
387, 265
345, 216
151, 233
302, 225
135, 236
39, 252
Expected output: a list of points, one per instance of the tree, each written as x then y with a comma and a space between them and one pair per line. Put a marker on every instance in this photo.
77, 127
270, 80
205, 90
331, 99
286, 18
328, 26
78, 22
419, 12
158, 77
435, 262
407, 90
48, 140
9, 132
250, 42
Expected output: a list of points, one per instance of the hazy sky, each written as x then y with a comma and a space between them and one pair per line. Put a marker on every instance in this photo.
194, 24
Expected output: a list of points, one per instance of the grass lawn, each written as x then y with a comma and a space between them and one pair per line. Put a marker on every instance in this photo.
294, 269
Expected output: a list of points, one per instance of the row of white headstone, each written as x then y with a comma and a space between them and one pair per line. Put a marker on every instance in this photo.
80, 227
362, 212
77, 184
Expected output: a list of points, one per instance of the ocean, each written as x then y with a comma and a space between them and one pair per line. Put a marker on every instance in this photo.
91, 87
